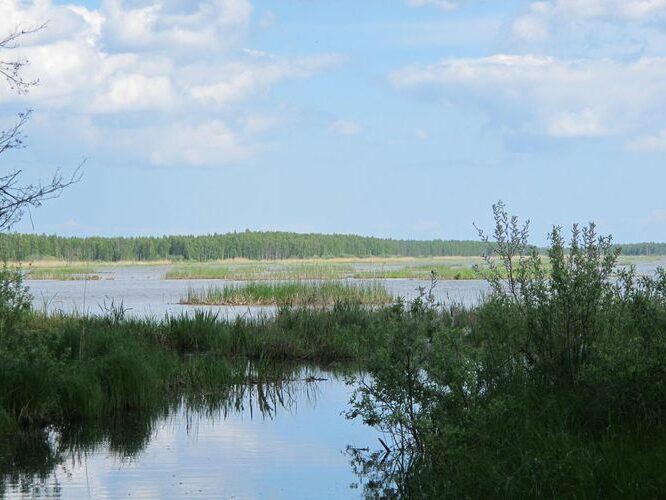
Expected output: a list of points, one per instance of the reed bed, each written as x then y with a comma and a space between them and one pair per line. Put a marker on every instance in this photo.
423, 272
297, 293
414, 269
62, 273
262, 272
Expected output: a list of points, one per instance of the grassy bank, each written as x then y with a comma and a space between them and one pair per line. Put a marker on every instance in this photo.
60, 368
295, 293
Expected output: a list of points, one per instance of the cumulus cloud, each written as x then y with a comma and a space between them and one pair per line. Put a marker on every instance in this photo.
236, 80
208, 24
346, 127
559, 97
206, 144
153, 58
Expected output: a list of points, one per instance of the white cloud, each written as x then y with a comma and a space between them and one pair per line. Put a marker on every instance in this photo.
632, 9
345, 127
642, 8
559, 97
532, 28
581, 124
182, 59
206, 144
649, 143
543, 16
236, 80
135, 92
257, 123
440, 4
212, 24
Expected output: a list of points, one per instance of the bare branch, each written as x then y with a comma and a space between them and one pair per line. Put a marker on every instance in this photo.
11, 70
15, 197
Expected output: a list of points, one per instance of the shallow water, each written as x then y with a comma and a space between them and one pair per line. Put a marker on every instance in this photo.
143, 291
294, 448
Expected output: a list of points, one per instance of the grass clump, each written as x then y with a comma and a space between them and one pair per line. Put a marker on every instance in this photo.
420, 272
61, 273
265, 271
297, 293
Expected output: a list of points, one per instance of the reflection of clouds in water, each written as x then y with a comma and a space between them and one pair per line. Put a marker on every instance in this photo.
200, 453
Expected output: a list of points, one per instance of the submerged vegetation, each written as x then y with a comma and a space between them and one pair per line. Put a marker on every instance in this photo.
294, 293
554, 385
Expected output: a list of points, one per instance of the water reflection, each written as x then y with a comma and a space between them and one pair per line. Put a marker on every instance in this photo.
246, 440
380, 473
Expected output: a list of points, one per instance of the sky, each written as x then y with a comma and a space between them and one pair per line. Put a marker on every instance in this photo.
391, 118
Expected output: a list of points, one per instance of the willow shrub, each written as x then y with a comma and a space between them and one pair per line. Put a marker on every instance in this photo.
554, 384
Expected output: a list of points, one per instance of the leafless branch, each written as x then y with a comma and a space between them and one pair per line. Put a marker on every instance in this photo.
11, 70
16, 197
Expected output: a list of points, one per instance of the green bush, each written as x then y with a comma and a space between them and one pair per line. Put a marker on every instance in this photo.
555, 385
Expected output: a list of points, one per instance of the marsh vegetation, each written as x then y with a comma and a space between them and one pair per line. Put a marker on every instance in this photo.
62, 273
292, 293
553, 385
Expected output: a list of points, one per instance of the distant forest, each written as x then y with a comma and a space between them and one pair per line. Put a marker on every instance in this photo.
248, 244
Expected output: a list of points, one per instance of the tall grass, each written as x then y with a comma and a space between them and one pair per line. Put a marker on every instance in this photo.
326, 270
264, 271
128, 364
297, 293
420, 272
62, 273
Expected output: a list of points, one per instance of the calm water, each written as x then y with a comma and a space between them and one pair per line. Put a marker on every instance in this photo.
143, 290
272, 441
287, 440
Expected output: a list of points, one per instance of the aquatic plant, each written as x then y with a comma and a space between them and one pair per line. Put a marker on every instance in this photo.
297, 293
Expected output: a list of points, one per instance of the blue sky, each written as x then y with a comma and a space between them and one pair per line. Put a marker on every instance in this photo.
397, 118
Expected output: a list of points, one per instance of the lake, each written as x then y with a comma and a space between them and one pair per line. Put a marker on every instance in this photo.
143, 291
285, 440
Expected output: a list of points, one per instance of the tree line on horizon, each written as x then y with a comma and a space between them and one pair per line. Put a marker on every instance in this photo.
249, 244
